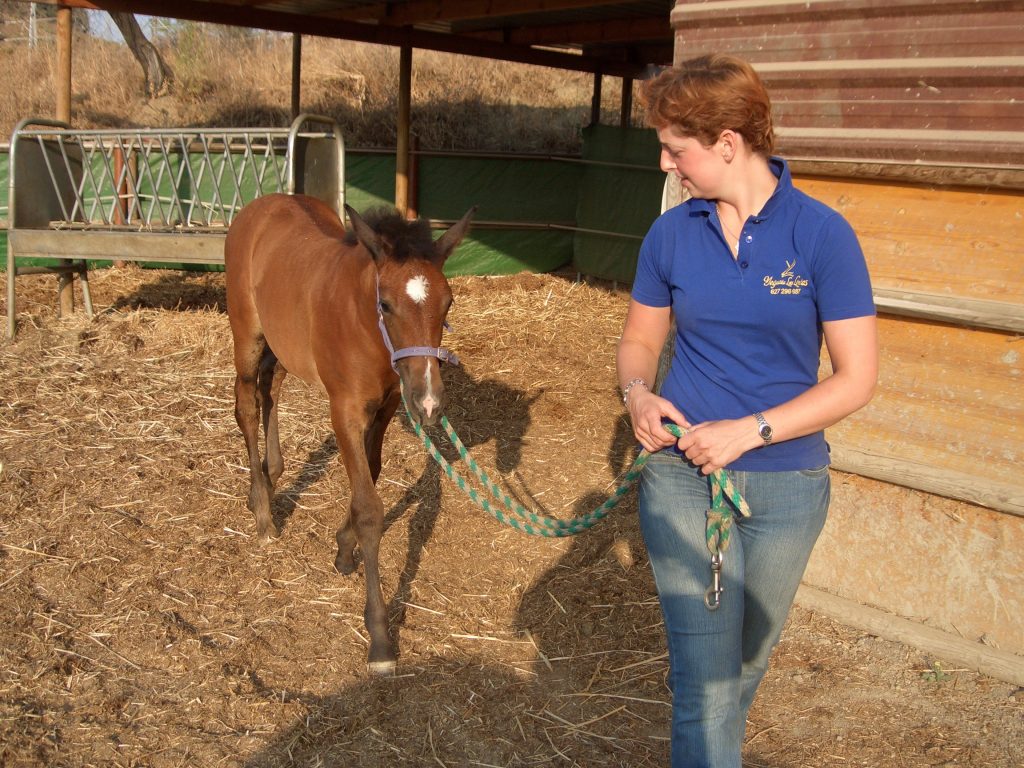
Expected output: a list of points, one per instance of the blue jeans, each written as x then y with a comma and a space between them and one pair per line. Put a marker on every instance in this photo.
718, 658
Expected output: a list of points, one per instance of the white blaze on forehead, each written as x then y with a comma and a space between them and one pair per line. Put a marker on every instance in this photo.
417, 288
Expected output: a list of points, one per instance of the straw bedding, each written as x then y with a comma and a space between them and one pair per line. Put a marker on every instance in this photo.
142, 625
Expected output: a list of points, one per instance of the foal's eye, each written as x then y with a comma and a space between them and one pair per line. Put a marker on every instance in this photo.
385, 307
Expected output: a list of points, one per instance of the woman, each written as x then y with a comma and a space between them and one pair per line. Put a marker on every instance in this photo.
755, 273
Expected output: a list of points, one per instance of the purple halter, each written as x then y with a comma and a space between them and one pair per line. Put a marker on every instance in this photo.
440, 353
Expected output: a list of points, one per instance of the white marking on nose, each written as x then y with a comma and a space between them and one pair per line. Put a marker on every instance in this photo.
417, 288
429, 401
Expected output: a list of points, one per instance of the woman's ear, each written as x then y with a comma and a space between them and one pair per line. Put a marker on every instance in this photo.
728, 143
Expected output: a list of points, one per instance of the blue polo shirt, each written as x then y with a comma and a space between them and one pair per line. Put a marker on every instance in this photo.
748, 330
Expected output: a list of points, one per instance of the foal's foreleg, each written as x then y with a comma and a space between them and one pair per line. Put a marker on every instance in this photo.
365, 525
373, 440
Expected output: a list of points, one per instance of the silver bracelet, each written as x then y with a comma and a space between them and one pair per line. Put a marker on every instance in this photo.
629, 388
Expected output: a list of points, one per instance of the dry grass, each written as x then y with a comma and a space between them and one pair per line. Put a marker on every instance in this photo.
459, 102
141, 625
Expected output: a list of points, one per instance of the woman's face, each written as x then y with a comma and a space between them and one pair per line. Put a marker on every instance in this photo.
699, 168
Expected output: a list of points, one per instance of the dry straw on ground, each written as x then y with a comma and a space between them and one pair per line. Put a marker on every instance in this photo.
141, 625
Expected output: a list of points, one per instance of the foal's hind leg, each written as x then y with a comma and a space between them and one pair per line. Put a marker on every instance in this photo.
248, 404
272, 375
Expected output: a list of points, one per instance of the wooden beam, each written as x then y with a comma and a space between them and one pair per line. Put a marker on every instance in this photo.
583, 32
1002, 495
164, 247
958, 310
425, 11
929, 174
380, 34
1001, 665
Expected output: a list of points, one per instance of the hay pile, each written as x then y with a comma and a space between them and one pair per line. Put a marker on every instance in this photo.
142, 625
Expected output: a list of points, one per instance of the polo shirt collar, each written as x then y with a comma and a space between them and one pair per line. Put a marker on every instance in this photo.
781, 170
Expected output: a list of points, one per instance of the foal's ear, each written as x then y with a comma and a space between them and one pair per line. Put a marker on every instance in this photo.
446, 243
364, 233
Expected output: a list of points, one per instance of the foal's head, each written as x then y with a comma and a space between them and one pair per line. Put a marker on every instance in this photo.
413, 298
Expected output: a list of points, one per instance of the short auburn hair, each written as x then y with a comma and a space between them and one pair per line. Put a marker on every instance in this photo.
704, 96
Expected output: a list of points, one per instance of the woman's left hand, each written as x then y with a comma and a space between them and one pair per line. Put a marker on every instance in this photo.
711, 445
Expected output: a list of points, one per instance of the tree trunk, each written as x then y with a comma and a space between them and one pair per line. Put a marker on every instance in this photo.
159, 76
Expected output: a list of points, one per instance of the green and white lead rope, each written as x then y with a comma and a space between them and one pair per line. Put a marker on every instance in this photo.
719, 516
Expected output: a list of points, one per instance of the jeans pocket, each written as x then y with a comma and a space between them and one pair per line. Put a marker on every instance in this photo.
815, 471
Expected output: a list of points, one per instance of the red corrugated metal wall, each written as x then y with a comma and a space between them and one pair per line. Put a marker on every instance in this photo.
910, 81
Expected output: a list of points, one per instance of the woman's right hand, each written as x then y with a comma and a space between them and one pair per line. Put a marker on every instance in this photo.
647, 410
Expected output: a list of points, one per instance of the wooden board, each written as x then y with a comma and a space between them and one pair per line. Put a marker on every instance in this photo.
171, 248
945, 564
954, 242
948, 415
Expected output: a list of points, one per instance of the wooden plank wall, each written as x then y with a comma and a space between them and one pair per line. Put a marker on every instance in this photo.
948, 417
908, 117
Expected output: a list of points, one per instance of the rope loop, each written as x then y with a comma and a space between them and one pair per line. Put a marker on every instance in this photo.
514, 515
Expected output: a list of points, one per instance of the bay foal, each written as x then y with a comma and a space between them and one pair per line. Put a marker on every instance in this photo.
359, 314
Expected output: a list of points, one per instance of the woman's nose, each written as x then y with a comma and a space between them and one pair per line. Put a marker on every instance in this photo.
667, 163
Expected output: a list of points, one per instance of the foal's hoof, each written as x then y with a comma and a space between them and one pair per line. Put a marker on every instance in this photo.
266, 535
381, 668
345, 564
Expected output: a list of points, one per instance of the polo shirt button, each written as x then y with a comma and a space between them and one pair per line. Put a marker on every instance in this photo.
750, 238
744, 264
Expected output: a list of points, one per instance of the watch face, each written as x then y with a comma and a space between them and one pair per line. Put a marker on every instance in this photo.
766, 431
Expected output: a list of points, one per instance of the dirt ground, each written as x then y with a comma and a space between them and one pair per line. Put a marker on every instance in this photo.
142, 625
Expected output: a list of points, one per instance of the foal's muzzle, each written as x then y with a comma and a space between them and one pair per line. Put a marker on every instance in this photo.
424, 406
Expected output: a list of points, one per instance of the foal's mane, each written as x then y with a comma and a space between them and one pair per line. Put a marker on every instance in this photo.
408, 239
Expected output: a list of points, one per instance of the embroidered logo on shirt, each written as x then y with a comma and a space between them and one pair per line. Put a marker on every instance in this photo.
787, 283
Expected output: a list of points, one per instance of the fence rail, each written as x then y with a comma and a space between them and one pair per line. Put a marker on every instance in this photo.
80, 195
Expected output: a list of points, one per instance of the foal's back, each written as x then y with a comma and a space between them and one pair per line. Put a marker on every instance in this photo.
293, 280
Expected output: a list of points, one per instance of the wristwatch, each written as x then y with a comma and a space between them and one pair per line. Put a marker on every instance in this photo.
764, 429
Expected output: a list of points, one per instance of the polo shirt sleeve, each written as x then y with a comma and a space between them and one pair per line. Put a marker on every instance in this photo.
651, 285
842, 283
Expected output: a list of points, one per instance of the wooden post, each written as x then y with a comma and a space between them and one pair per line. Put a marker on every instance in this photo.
296, 74
626, 111
402, 149
65, 282
595, 103
412, 210
64, 64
